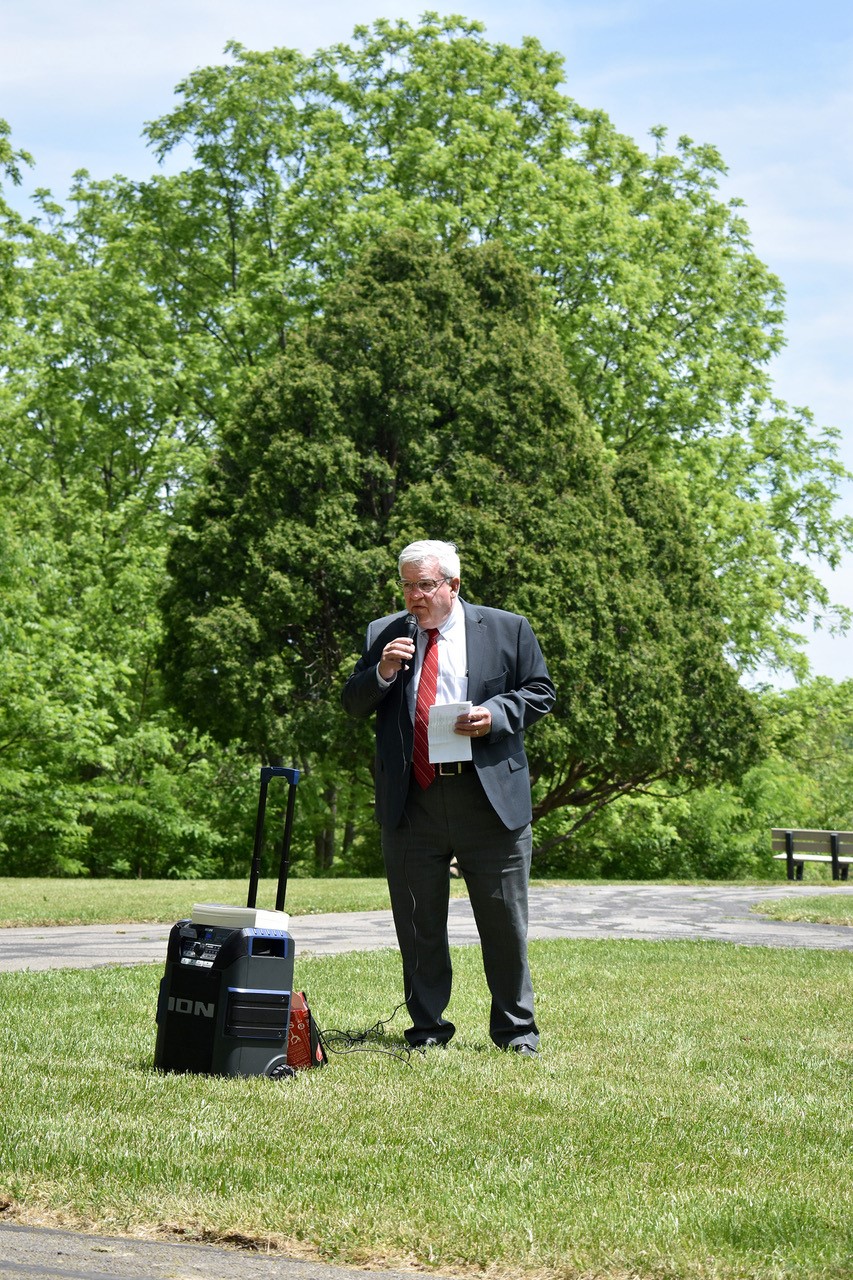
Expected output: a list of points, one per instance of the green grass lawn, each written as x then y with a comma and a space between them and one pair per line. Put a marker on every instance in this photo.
44, 901
690, 1117
821, 909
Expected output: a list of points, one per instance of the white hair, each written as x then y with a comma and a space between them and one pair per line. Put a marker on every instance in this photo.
429, 549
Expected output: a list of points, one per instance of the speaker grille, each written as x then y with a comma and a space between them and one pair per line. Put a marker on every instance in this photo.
258, 1015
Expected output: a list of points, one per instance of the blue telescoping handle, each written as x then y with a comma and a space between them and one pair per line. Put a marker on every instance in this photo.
269, 772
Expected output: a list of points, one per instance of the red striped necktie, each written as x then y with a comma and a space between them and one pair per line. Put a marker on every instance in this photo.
424, 771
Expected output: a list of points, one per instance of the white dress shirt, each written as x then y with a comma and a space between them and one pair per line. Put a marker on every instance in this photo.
452, 683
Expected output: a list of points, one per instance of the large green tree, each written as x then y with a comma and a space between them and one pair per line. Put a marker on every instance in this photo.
133, 319
431, 399
666, 318
96, 773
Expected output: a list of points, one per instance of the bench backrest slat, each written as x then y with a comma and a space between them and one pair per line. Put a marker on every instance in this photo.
804, 841
813, 841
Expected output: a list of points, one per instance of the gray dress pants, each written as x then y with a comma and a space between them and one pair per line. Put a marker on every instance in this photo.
451, 818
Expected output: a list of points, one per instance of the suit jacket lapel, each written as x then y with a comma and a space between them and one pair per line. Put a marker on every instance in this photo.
475, 638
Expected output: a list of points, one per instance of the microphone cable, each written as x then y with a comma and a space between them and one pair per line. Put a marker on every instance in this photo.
346, 1041
340, 1041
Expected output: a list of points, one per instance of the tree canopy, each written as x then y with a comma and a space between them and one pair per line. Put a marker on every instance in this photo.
430, 399
666, 318
138, 319
156, 300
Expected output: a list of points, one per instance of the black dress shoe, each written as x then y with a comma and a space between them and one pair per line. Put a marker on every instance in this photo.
523, 1050
431, 1042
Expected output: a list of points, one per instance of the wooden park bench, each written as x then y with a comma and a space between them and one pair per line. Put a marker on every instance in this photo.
798, 847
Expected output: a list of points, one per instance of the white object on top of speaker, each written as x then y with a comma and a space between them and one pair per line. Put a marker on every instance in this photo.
223, 917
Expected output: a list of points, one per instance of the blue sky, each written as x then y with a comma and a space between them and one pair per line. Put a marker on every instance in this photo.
769, 84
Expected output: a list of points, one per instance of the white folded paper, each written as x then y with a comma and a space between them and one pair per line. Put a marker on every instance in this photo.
445, 745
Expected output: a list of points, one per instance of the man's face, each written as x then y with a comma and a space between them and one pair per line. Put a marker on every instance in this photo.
431, 608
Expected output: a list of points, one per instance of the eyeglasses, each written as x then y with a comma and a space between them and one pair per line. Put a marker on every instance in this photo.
425, 587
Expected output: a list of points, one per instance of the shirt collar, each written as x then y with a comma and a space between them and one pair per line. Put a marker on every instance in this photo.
453, 620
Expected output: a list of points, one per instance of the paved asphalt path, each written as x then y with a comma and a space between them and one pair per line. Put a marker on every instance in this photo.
645, 911
29, 1253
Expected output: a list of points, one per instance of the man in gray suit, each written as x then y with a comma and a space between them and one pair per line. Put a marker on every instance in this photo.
476, 809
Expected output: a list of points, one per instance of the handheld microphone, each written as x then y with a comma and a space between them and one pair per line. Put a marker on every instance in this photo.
411, 632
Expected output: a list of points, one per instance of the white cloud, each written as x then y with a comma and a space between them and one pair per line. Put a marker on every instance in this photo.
101, 49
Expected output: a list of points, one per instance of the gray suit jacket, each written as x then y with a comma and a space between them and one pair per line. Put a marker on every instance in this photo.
506, 673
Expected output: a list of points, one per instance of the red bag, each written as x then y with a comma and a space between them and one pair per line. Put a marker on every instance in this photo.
304, 1046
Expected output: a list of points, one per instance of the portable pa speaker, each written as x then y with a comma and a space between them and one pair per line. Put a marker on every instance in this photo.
225, 996
224, 1003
